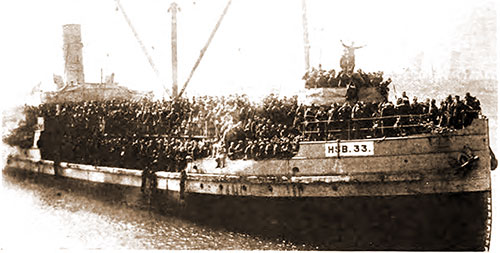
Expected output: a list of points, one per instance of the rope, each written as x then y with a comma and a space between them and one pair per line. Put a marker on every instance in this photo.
204, 49
141, 44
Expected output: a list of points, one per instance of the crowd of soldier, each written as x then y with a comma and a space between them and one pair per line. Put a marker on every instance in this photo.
158, 134
363, 120
162, 135
320, 78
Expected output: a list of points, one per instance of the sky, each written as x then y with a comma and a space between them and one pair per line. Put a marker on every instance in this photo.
258, 48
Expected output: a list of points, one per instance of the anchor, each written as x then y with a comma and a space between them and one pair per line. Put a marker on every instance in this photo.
466, 159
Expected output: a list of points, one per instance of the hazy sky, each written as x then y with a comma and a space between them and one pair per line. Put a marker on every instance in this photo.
258, 48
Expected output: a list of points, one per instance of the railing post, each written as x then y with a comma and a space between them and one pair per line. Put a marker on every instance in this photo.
325, 130
382, 124
349, 129
302, 129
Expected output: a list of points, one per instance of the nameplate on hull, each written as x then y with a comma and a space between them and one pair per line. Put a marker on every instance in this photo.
360, 148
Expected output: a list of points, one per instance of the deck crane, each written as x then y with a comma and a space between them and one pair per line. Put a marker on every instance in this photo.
144, 50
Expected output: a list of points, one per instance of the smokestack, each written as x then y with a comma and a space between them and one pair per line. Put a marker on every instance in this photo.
73, 60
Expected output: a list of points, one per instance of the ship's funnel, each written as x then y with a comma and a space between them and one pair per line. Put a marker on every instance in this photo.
73, 60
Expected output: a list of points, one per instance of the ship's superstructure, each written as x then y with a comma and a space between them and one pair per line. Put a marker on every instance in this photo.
73, 87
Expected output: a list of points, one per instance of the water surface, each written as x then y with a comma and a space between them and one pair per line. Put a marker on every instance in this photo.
38, 215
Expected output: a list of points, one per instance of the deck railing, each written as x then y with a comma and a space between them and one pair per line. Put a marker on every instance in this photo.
356, 127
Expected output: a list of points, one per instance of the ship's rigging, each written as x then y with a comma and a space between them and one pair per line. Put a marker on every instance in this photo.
141, 44
204, 49
173, 9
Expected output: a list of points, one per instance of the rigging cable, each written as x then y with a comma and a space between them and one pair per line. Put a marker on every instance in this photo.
204, 49
144, 50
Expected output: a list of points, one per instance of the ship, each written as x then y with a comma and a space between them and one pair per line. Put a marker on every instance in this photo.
424, 191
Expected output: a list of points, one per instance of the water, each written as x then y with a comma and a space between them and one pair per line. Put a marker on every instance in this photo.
44, 216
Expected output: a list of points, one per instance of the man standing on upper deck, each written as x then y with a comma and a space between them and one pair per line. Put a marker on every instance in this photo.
347, 62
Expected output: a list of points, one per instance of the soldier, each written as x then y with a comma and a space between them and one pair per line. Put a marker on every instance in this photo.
220, 158
297, 125
332, 119
403, 110
268, 149
239, 149
358, 79
322, 79
472, 108
351, 93
261, 149
426, 106
231, 151
306, 78
312, 78
345, 79
332, 79
404, 96
388, 111
434, 112
457, 113
416, 109
357, 113
377, 78
344, 115
415, 106
248, 150
444, 115
347, 62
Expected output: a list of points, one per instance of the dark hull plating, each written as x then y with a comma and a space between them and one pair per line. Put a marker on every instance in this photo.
452, 221
417, 222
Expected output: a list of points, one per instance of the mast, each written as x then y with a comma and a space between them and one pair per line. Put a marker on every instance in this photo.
173, 8
306, 34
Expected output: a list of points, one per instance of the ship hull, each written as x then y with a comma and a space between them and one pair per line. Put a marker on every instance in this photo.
444, 221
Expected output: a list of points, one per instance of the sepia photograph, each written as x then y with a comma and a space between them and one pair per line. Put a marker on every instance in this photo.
304, 125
